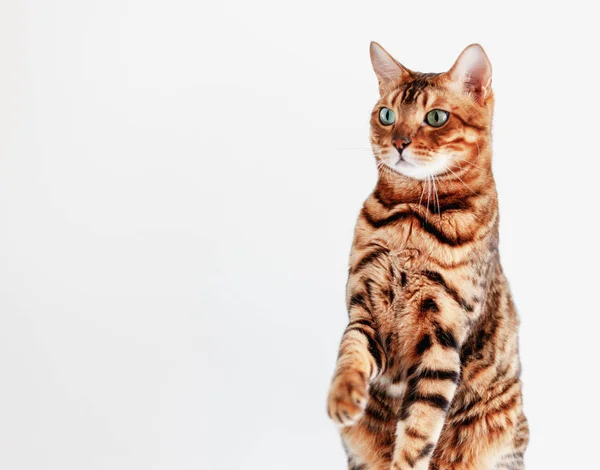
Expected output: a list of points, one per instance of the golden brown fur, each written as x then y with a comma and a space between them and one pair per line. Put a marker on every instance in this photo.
428, 369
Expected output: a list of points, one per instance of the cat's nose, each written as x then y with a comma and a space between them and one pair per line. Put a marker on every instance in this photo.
400, 143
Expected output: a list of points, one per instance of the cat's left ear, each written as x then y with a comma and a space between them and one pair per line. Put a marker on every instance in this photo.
472, 72
389, 71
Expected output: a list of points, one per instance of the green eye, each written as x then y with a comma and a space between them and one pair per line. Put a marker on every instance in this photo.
437, 117
386, 116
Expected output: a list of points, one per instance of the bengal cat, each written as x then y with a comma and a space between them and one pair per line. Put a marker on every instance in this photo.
428, 370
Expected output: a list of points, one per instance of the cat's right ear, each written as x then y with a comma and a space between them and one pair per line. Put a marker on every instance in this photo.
388, 70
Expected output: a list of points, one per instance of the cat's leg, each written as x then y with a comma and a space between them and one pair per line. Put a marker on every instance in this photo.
485, 429
511, 461
483, 443
431, 383
361, 359
354, 465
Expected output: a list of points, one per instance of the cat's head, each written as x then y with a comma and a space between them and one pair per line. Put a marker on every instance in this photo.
431, 124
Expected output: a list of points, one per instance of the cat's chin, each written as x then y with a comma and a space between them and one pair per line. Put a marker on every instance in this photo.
406, 166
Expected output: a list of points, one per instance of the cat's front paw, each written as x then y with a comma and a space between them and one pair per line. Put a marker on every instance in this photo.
348, 397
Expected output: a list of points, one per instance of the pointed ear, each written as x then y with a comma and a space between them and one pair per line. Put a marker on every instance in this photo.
472, 72
386, 68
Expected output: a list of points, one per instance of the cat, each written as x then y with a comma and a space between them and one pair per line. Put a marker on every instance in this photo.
428, 371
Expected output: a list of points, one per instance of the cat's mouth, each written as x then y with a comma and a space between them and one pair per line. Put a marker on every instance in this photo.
416, 166
402, 159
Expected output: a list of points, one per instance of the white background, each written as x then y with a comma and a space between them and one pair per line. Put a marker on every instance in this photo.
179, 182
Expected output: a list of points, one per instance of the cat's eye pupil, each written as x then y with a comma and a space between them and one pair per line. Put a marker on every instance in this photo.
436, 117
386, 116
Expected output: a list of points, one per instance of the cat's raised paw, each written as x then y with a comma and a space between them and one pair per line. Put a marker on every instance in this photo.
348, 398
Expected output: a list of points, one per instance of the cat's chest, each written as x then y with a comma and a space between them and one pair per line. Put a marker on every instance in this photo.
416, 283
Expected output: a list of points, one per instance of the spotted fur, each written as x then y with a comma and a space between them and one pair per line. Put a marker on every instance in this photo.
428, 370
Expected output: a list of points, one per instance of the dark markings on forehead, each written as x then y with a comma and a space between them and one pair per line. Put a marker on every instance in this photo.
415, 87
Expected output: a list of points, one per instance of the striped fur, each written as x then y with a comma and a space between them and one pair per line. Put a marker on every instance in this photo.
428, 370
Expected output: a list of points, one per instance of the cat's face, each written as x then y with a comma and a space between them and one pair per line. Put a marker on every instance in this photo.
428, 125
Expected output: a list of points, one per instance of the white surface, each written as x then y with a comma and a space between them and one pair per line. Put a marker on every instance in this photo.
179, 182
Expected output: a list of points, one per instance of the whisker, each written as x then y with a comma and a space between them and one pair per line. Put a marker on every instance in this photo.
476, 166
433, 178
422, 192
478, 156
460, 179
428, 194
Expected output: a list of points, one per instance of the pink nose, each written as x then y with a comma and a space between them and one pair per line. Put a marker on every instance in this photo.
400, 142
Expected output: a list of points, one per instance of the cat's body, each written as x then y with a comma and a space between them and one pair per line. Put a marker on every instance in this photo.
428, 371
